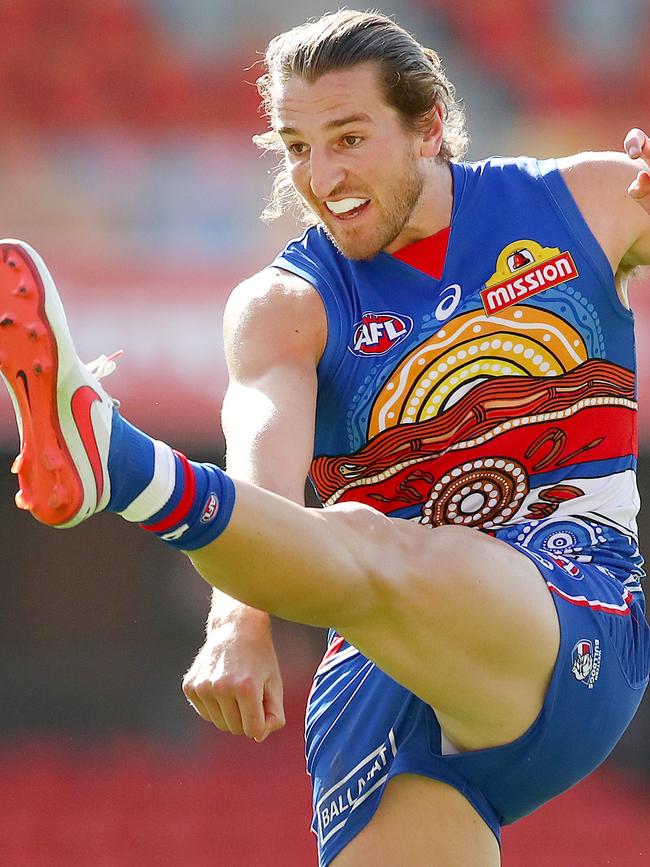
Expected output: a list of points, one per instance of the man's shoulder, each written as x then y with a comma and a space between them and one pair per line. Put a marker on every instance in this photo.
272, 285
498, 163
592, 169
597, 164
496, 174
275, 301
275, 316
598, 182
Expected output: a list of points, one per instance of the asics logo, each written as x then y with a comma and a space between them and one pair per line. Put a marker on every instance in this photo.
81, 406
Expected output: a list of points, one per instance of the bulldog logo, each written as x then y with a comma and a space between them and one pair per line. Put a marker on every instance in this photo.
586, 661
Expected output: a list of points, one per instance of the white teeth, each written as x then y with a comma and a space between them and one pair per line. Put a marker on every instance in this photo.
345, 205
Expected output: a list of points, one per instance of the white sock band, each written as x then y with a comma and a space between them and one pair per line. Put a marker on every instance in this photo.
159, 489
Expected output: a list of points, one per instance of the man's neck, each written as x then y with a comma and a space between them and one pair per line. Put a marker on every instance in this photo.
433, 210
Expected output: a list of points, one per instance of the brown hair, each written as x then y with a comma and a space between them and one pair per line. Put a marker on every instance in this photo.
411, 75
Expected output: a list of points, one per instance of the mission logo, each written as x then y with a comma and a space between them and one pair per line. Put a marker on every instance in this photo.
525, 268
378, 333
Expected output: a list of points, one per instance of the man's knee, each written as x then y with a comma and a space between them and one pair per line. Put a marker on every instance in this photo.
394, 562
403, 564
369, 535
398, 564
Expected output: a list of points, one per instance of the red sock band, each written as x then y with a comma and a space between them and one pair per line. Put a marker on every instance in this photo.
184, 504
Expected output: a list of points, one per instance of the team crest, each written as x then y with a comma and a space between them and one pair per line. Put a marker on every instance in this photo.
525, 268
585, 661
378, 333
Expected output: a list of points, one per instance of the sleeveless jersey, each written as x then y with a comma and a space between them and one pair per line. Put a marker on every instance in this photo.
501, 396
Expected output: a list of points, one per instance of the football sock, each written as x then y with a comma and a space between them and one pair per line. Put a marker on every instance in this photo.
186, 504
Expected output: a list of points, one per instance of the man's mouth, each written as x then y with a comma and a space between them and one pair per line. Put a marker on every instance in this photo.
345, 209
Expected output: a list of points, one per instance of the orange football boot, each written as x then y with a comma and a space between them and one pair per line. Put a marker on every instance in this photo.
64, 415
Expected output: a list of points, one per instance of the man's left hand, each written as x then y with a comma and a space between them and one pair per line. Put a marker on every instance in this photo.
637, 146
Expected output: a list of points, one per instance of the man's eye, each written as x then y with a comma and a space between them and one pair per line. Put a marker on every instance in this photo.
296, 148
352, 140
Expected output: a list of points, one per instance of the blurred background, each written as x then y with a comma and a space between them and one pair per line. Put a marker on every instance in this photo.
126, 160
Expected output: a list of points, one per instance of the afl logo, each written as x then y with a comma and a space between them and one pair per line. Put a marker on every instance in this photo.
378, 333
210, 509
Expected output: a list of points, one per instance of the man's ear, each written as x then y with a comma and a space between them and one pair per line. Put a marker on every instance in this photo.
432, 133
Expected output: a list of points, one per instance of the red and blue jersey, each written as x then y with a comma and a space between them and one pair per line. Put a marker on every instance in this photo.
494, 388
484, 377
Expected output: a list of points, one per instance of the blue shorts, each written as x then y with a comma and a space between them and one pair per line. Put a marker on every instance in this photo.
363, 728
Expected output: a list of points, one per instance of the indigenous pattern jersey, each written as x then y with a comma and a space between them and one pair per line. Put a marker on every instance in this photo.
501, 396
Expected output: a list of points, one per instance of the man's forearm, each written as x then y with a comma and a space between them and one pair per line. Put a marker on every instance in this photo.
224, 607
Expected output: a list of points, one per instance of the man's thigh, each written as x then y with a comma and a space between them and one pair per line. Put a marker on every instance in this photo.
465, 622
422, 823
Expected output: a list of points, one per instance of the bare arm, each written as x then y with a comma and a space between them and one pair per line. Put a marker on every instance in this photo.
637, 146
608, 188
274, 334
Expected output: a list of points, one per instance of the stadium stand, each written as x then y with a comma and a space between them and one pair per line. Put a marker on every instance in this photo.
107, 64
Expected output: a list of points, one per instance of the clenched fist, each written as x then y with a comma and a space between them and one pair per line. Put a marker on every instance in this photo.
234, 681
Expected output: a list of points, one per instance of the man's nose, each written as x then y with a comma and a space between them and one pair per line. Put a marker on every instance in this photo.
326, 172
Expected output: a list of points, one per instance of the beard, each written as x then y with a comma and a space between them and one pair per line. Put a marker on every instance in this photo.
365, 242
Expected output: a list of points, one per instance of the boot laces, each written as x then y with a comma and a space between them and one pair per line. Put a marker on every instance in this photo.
103, 366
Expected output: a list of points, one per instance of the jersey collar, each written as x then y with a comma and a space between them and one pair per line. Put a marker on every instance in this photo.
427, 255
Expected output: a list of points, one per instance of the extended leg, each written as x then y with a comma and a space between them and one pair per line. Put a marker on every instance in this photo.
462, 620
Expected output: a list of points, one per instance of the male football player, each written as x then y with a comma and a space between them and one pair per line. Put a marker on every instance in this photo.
448, 350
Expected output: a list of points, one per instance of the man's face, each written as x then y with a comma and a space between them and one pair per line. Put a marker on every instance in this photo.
350, 158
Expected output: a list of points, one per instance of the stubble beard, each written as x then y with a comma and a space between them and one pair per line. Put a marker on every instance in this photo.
365, 244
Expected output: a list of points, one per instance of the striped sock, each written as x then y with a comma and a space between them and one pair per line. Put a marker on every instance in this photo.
182, 502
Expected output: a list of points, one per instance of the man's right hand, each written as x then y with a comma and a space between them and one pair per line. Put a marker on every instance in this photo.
235, 681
